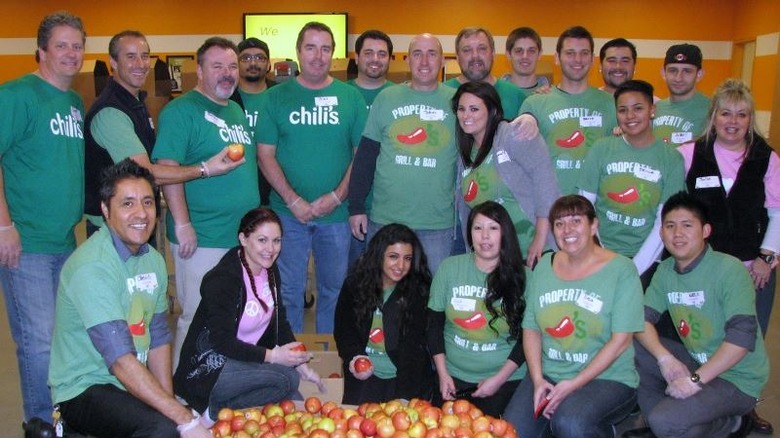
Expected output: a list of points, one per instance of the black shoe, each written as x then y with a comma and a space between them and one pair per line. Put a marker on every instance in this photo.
760, 425
642, 432
37, 428
746, 425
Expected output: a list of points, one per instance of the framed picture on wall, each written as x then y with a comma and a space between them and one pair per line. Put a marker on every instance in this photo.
174, 65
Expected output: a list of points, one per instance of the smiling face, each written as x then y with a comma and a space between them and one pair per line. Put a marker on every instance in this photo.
634, 114
472, 116
617, 66
396, 263
63, 56
131, 212
373, 59
475, 56
253, 64
524, 56
574, 233
315, 55
684, 235
262, 246
425, 59
132, 64
732, 122
486, 239
575, 59
218, 74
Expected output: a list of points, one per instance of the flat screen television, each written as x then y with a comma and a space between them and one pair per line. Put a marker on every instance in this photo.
280, 31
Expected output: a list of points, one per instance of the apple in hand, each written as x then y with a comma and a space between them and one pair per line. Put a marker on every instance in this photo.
235, 151
362, 364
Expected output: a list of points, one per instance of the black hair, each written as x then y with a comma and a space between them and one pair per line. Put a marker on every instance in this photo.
489, 96
523, 32
249, 223
507, 281
638, 86
576, 32
314, 25
686, 201
373, 34
617, 42
113, 45
125, 169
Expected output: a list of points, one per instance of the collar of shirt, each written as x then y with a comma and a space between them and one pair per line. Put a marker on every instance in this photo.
122, 249
691, 266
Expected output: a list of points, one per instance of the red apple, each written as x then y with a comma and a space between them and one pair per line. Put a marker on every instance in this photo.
222, 427
363, 364
312, 405
401, 420
299, 347
237, 423
368, 427
354, 433
235, 151
288, 406
225, 414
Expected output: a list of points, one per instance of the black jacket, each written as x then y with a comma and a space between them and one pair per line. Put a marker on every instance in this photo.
212, 338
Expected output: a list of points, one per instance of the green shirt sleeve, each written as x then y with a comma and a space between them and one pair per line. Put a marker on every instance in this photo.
113, 130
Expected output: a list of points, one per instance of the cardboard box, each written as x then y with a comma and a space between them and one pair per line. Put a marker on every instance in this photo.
325, 363
317, 342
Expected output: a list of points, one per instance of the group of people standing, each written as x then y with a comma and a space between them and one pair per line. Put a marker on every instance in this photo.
562, 199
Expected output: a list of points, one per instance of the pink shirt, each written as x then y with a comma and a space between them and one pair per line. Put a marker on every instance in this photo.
254, 320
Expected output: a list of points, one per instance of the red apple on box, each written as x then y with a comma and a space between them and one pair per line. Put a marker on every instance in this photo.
235, 151
363, 364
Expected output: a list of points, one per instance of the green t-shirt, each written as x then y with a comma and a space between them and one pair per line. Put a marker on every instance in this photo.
193, 128
571, 124
415, 170
384, 368
630, 183
681, 122
541, 81
314, 133
252, 103
701, 302
473, 350
511, 96
369, 94
42, 149
485, 184
96, 287
577, 318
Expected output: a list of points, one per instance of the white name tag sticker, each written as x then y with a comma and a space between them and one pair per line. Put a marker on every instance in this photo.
681, 137
503, 157
146, 281
647, 173
695, 299
431, 114
590, 303
326, 101
464, 304
590, 121
706, 182
214, 119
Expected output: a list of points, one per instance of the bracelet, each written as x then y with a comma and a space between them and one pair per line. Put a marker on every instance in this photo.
8, 227
204, 170
294, 202
338, 201
183, 225
186, 427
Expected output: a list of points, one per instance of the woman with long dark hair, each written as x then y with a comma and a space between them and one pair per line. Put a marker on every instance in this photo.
496, 166
584, 305
477, 303
239, 351
381, 316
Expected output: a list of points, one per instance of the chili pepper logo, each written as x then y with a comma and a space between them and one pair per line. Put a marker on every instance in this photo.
377, 335
474, 322
472, 191
575, 139
415, 137
139, 328
683, 328
628, 196
563, 329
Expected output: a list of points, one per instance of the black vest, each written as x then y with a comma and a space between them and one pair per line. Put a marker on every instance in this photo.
96, 157
738, 220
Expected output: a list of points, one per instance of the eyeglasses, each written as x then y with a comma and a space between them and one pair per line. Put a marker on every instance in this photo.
249, 58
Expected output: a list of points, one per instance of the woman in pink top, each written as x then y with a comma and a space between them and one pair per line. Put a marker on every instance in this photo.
733, 170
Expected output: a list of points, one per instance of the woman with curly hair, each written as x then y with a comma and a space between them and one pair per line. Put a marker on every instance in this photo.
477, 303
381, 316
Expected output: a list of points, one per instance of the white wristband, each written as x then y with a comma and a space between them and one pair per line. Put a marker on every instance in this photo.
336, 197
8, 227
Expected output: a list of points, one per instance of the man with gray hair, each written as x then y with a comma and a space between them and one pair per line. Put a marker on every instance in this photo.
41, 149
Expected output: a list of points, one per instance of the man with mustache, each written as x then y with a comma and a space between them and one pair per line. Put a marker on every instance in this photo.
202, 223
306, 135
618, 59
475, 48
119, 126
254, 63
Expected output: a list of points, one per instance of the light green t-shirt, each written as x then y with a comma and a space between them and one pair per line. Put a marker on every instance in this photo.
571, 124
681, 122
511, 96
384, 368
630, 184
314, 133
701, 302
577, 318
42, 149
96, 287
252, 103
415, 170
473, 350
193, 128
369, 94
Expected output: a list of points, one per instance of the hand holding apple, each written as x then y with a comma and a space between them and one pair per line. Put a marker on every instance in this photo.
221, 164
287, 355
361, 367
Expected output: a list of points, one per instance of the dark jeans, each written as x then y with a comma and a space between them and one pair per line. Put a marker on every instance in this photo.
107, 411
246, 384
493, 405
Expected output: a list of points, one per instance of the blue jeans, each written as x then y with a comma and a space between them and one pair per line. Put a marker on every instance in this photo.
437, 244
245, 384
105, 410
587, 412
765, 299
330, 245
30, 292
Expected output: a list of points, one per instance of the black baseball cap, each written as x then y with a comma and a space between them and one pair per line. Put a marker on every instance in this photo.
684, 54
253, 43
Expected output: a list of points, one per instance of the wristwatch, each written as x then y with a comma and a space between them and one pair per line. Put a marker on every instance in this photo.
767, 258
695, 379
